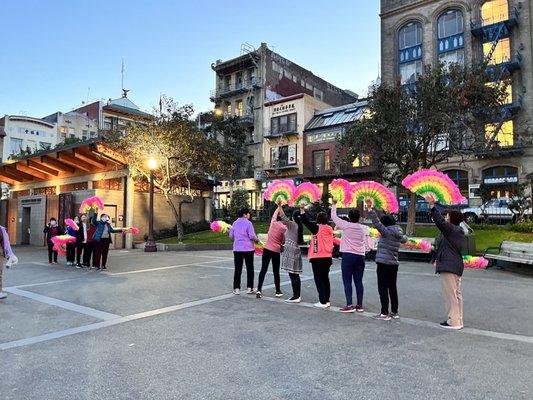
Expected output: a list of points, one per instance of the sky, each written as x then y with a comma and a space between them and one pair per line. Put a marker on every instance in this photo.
55, 54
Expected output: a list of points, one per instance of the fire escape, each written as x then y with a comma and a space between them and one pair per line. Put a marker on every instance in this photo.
500, 71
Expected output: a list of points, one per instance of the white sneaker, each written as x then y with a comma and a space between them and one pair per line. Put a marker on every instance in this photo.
3, 295
320, 305
279, 294
236, 292
294, 300
249, 291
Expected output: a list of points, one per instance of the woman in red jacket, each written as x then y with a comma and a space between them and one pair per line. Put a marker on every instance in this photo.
320, 254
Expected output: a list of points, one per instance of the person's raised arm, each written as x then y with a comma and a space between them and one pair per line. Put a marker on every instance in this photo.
312, 226
382, 229
445, 227
340, 223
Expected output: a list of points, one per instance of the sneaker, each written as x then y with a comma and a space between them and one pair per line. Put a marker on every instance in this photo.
3, 295
104, 267
382, 317
320, 305
348, 309
359, 308
448, 326
236, 292
394, 315
54, 262
279, 294
97, 268
249, 291
258, 294
293, 300
78, 266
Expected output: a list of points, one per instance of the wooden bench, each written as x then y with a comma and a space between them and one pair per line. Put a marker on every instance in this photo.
513, 252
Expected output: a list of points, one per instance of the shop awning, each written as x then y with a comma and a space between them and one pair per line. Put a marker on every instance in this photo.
78, 159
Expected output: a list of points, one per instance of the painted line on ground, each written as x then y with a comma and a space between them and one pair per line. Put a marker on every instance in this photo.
417, 322
155, 269
42, 283
92, 312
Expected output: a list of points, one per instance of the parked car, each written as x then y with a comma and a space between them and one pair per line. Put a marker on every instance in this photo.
422, 210
495, 210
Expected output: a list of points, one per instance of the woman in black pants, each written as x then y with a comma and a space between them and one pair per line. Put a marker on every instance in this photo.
51, 230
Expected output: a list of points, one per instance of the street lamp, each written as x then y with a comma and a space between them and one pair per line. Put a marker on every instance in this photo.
150, 245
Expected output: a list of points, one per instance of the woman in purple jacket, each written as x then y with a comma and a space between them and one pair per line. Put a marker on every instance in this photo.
243, 235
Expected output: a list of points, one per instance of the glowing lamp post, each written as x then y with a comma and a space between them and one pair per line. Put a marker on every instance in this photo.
150, 243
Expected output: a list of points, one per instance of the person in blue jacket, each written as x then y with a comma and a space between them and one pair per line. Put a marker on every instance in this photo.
102, 240
71, 247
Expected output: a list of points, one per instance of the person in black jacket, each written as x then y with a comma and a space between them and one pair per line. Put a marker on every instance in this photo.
81, 241
51, 230
449, 262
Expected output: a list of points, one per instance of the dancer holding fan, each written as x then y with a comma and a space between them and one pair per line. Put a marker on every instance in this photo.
102, 240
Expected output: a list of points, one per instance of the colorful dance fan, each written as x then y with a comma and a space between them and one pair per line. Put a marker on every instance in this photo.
373, 232
132, 229
283, 189
92, 203
474, 262
220, 226
417, 244
60, 243
382, 198
70, 222
435, 183
258, 248
306, 193
341, 190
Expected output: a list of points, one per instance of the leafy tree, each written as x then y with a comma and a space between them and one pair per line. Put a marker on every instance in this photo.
441, 116
231, 135
183, 153
239, 200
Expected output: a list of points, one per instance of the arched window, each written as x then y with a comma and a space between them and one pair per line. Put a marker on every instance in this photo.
460, 178
494, 11
410, 52
450, 37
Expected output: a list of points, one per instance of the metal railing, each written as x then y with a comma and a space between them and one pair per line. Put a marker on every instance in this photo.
225, 90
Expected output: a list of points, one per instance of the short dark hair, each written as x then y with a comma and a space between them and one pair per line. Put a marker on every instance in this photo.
354, 215
456, 217
387, 220
297, 217
53, 219
102, 215
322, 218
243, 211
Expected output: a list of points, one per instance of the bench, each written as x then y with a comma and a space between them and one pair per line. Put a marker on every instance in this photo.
513, 252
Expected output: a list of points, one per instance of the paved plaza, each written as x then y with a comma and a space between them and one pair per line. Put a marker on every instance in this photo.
165, 326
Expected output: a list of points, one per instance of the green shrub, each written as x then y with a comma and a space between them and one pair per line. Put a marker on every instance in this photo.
188, 227
524, 227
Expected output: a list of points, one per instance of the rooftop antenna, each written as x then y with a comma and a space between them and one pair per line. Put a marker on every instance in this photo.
124, 91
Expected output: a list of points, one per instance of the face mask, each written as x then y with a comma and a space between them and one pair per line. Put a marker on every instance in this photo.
53, 223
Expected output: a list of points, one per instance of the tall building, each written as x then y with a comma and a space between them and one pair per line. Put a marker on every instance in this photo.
22, 133
73, 125
247, 85
416, 33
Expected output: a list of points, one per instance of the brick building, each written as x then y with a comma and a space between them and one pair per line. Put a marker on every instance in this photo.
416, 33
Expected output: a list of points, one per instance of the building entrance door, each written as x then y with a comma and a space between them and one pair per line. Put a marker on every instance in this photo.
26, 220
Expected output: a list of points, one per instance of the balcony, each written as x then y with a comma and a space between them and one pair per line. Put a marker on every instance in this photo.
235, 89
281, 165
507, 66
247, 119
497, 150
284, 132
496, 31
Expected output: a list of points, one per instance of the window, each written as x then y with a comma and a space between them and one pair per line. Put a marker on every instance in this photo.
282, 156
15, 146
508, 90
318, 94
505, 135
45, 146
238, 78
71, 133
453, 57
239, 108
410, 52
450, 24
250, 165
283, 124
228, 108
63, 130
362, 161
227, 82
494, 11
93, 134
84, 135
460, 178
502, 52
251, 75
321, 163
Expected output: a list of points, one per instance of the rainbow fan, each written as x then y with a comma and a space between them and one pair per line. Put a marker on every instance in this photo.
70, 222
283, 189
306, 193
341, 190
259, 247
60, 243
417, 244
382, 198
220, 226
132, 229
474, 262
435, 183
92, 203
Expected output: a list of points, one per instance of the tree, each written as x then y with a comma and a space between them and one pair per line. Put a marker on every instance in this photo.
183, 153
410, 127
239, 200
231, 134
